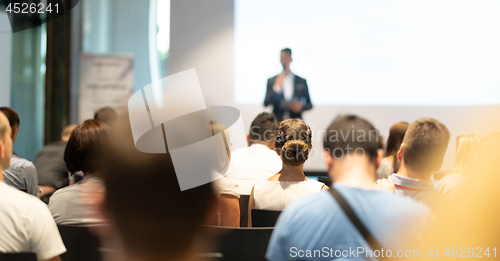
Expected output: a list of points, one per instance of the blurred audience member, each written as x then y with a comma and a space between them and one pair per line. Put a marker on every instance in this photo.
471, 219
352, 154
153, 219
21, 173
25, 222
50, 165
389, 163
466, 157
293, 144
259, 161
421, 154
228, 207
82, 153
107, 115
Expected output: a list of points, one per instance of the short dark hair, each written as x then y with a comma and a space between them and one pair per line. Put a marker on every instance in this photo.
12, 115
349, 134
85, 145
425, 144
107, 115
287, 50
293, 139
145, 201
263, 127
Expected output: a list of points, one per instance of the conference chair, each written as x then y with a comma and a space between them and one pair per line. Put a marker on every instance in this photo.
240, 244
18, 257
264, 218
244, 210
325, 180
80, 244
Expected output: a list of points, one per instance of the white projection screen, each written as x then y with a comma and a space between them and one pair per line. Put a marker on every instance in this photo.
365, 52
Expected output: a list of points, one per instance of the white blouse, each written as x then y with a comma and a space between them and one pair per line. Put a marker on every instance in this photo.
226, 186
276, 195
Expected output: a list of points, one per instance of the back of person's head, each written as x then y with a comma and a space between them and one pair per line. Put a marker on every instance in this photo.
350, 134
107, 115
5, 142
490, 149
467, 153
85, 146
424, 145
12, 116
263, 128
293, 141
396, 135
66, 133
154, 218
490, 142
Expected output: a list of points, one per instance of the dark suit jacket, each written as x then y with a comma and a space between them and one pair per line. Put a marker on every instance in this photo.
300, 93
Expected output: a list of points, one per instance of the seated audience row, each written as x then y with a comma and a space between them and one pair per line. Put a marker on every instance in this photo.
26, 222
142, 201
49, 172
323, 219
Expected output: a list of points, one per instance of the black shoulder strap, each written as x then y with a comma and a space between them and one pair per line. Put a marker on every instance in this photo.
372, 242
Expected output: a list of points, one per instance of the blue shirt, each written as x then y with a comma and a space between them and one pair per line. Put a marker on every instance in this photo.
315, 227
21, 174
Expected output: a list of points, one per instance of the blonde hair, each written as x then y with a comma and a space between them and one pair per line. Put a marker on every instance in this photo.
466, 153
217, 128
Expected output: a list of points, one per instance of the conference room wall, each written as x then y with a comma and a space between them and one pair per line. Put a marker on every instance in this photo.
202, 38
5, 59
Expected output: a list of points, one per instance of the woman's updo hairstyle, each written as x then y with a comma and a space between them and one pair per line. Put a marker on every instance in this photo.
293, 139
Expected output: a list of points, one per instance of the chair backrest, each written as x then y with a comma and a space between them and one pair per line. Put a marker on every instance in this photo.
325, 180
244, 210
17, 257
242, 244
80, 244
264, 218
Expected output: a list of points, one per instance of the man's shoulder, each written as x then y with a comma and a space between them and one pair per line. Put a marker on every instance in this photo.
20, 163
317, 204
299, 79
309, 204
272, 79
400, 207
240, 151
18, 199
406, 201
66, 190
